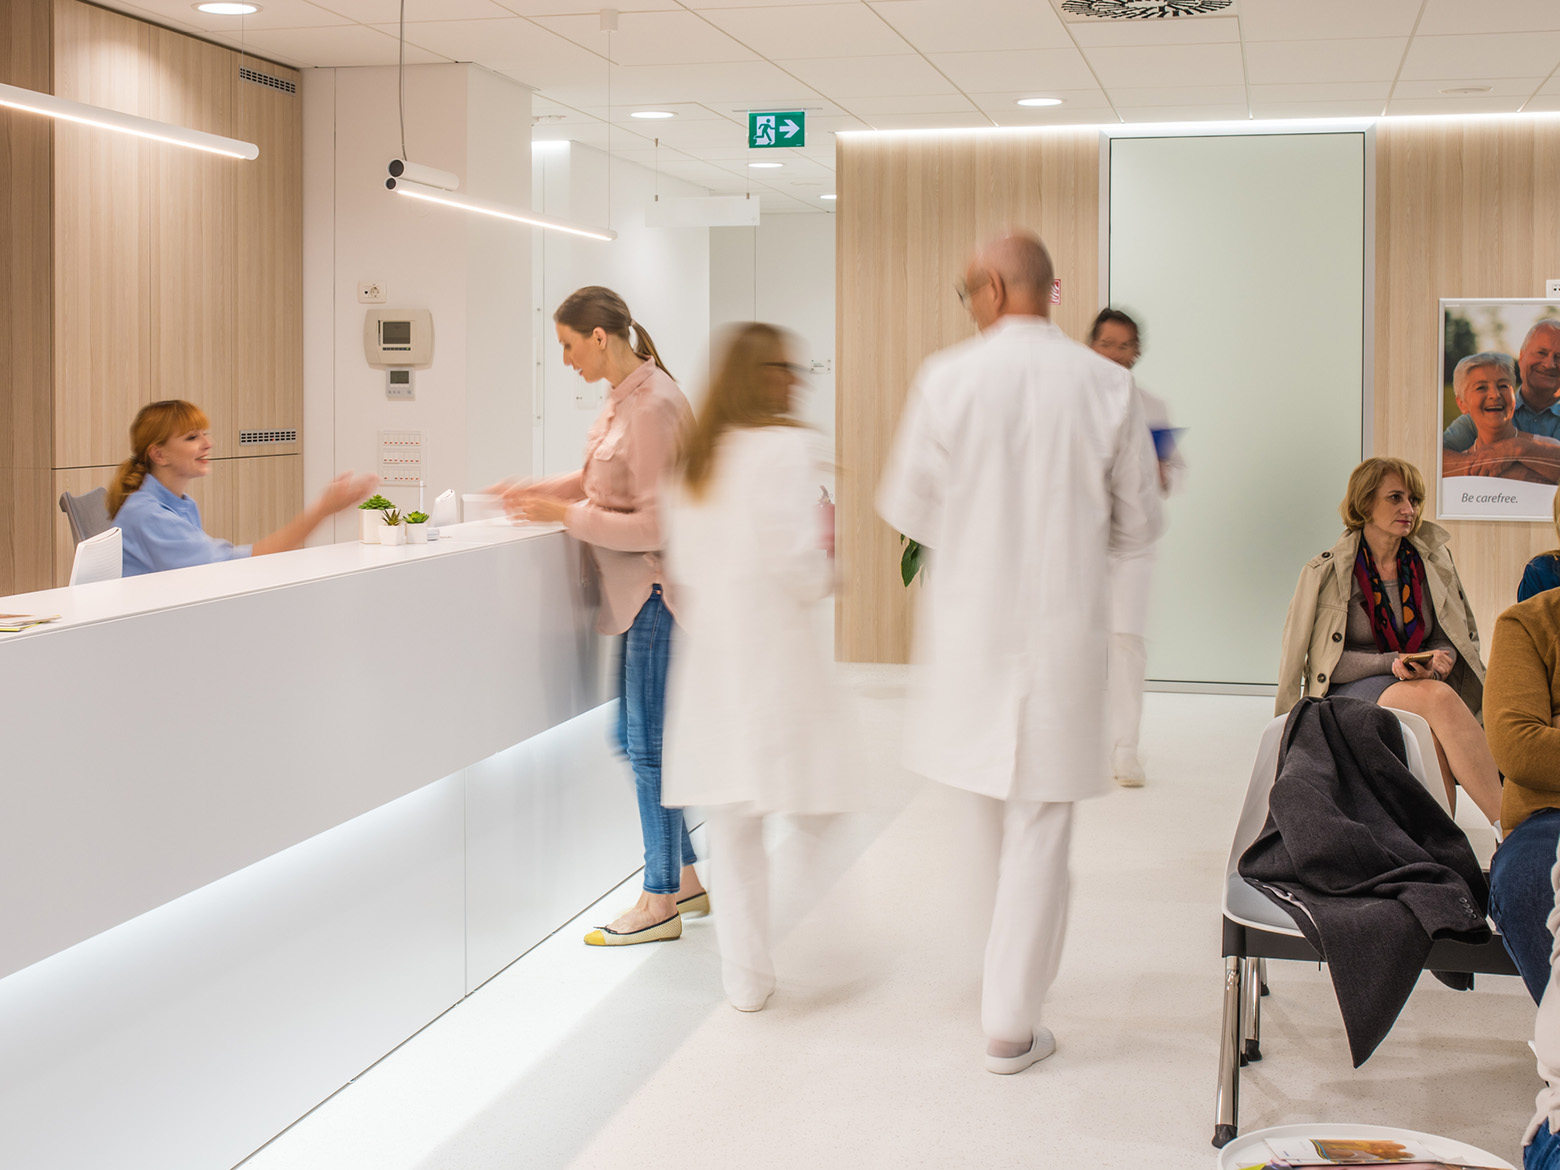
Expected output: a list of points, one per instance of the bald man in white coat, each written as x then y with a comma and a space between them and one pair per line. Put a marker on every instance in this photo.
1022, 462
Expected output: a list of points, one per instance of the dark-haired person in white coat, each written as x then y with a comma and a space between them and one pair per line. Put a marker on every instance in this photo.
1022, 462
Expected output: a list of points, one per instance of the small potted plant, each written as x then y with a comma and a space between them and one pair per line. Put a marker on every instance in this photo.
417, 528
394, 531
371, 514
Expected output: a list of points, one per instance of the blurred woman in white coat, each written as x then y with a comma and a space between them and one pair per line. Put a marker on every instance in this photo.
750, 713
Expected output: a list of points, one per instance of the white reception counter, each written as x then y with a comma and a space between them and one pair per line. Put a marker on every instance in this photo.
261, 821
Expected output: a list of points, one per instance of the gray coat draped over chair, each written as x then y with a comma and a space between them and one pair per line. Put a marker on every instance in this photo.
1365, 861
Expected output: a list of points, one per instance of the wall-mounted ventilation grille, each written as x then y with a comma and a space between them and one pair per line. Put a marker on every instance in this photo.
1142, 9
250, 438
267, 80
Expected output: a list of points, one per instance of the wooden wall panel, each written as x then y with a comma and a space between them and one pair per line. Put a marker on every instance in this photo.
911, 210
26, 359
266, 492
102, 268
1463, 209
268, 323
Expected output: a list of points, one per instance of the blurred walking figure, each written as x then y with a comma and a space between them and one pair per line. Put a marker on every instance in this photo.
1116, 335
1023, 462
751, 714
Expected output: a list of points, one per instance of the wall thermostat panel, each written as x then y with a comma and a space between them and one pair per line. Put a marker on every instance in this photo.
400, 338
399, 384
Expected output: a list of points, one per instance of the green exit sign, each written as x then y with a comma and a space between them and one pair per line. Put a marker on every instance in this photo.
787, 128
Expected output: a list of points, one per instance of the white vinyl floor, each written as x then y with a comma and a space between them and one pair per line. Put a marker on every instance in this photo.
869, 1053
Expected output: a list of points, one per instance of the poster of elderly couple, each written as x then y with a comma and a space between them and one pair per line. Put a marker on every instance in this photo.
1500, 409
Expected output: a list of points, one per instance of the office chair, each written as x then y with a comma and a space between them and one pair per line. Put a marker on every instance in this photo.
87, 513
99, 558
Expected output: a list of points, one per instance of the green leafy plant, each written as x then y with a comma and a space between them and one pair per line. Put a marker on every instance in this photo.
417, 517
393, 517
911, 560
376, 503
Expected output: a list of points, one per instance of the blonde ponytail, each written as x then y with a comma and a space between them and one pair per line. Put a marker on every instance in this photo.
594, 307
645, 348
155, 423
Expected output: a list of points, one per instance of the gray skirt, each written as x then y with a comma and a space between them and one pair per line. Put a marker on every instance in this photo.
1370, 689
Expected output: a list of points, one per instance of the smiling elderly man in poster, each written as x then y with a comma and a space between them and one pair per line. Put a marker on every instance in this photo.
1537, 408
1022, 460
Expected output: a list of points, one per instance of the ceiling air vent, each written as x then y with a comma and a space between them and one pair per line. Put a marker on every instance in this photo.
265, 79
1082, 10
252, 438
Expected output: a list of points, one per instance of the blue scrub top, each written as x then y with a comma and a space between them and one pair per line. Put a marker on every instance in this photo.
163, 531
1542, 573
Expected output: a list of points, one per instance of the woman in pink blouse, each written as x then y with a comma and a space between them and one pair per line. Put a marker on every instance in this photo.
612, 505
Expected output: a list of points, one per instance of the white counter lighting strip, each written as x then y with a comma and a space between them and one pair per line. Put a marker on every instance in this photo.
497, 210
50, 106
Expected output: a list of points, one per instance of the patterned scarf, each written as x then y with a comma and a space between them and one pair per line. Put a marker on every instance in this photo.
1373, 595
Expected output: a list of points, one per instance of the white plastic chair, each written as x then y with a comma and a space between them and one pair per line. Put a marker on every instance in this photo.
1255, 928
99, 558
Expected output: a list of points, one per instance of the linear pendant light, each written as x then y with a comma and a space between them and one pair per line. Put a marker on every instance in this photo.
429, 194
50, 106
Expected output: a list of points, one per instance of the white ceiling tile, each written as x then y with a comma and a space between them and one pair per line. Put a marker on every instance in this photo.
1168, 65
340, 45
814, 30
1336, 91
1038, 70
948, 121
1203, 113
696, 136
517, 48
1489, 16
1552, 86
1499, 87
845, 78
736, 85
1483, 55
1294, 62
1215, 30
1543, 103
937, 103
1004, 101
652, 38
1358, 108
1455, 105
685, 112
1097, 115
273, 14
1286, 20
1179, 95
389, 11
584, 7
967, 26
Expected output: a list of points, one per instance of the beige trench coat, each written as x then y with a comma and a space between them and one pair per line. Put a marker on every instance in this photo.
1314, 629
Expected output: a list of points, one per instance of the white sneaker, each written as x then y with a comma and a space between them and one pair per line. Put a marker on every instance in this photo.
1043, 1044
1127, 768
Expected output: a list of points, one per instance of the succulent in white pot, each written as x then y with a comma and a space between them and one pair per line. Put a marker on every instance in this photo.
417, 528
394, 531
371, 518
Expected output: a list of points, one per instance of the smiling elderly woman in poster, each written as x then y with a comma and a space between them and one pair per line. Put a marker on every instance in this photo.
1500, 403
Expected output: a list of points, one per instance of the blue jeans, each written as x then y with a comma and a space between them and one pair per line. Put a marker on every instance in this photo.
1544, 1153
647, 648
1521, 895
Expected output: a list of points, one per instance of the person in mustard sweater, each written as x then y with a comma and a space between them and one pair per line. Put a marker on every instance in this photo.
1521, 696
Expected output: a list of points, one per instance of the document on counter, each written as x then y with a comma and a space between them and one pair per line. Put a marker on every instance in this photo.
15, 623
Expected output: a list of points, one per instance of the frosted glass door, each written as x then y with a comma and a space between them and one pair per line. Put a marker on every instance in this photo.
1243, 257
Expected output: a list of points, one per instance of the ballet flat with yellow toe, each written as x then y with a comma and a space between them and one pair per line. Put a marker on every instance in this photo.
695, 905
664, 931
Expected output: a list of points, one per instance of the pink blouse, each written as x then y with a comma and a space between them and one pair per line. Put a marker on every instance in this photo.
616, 506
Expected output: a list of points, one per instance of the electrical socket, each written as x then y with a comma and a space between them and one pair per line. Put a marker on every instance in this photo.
371, 292
1552, 288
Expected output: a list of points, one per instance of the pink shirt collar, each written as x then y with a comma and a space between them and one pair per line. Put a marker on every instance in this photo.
633, 382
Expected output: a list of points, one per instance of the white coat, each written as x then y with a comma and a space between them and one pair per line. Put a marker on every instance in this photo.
1023, 462
751, 715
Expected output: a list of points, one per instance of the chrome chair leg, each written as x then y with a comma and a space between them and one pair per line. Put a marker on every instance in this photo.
1227, 1100
1262, 974
1251, 1010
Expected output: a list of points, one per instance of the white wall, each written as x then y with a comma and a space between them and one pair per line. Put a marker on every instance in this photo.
471, 273
782, 273
662, 273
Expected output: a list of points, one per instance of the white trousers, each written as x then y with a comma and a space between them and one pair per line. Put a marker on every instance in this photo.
1128, 664
1029, 919
739, 887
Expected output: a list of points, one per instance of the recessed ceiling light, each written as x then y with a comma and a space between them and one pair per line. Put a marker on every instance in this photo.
1466, 90
828, 197
1039, 101
765, 166
652, 114
228, 9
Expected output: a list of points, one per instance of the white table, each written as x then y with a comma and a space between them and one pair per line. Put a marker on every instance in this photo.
261, 821
1249, 1149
